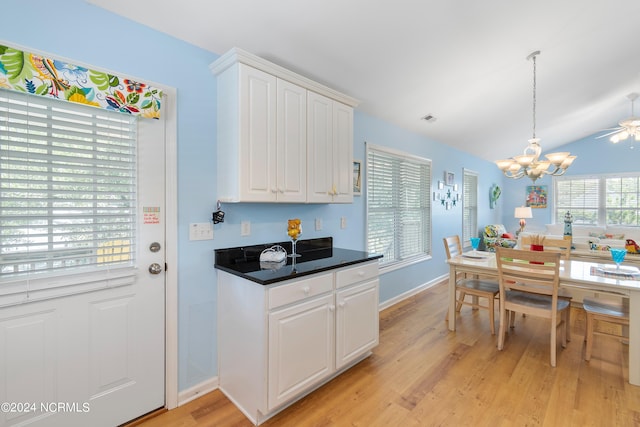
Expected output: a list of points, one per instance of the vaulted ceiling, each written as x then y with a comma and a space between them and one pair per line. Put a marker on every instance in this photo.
463, 61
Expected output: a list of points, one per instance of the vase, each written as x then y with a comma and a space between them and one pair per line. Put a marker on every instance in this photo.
538, 248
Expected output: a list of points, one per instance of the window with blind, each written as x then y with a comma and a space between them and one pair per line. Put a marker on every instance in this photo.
623, 200
398, 205
67, 189
599, 200
469, 206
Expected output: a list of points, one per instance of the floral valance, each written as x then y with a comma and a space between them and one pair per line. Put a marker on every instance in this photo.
28, 72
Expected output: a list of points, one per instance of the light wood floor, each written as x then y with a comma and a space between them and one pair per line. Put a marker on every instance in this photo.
423, 375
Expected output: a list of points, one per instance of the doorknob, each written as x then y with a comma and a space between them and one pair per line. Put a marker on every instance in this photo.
155, 268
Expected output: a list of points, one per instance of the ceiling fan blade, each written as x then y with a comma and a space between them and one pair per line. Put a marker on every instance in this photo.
607, 134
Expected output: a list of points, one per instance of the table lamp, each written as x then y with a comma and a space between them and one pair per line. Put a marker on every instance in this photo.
523, 212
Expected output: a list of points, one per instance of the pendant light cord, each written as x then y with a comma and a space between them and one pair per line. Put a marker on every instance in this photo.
534, 95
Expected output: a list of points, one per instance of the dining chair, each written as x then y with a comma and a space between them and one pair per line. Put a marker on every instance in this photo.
549, 243
474, 287
606, 310
528, 282
552, 244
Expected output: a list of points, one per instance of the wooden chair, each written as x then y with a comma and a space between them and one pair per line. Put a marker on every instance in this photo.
532, 289
606, 310
553, 244
477, 288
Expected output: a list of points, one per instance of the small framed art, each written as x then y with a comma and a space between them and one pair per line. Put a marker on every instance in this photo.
357, 177
449, 178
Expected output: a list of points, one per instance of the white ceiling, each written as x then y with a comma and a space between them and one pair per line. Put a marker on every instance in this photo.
464, 61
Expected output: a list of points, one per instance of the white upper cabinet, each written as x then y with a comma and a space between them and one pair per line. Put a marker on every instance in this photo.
291, 147
272, 126
257, 158
330, 145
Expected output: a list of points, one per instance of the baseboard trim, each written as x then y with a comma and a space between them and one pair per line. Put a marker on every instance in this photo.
395, 300
197, 390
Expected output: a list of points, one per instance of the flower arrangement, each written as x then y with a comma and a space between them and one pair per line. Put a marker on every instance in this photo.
537, 239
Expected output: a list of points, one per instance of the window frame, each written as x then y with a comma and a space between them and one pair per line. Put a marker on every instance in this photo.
426, 210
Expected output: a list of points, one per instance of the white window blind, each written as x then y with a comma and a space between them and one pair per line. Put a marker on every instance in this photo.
580, 196
469, 206
623, 200
612, 199
67, 188
398, 205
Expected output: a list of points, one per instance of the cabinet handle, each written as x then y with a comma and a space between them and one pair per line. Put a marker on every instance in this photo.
361, 273
342, 304
273, 190
332, 308
306, 290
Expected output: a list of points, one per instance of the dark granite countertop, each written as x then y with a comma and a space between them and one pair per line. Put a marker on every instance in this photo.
317, 255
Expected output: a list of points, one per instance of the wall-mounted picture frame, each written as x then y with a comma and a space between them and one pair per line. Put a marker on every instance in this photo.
357, 177
536, 196
449, 178
440, 185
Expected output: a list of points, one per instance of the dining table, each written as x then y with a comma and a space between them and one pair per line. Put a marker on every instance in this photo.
601, 278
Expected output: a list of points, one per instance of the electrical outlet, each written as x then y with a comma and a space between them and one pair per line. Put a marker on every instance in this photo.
318, 224
343, 222
201, 231
245, 228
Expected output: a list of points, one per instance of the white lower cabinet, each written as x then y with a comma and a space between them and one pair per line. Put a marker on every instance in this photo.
280, 342
301, 350
356, 321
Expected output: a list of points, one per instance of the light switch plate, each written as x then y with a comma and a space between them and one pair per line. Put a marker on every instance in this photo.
343, 222
201, 231
318, 224
245, 228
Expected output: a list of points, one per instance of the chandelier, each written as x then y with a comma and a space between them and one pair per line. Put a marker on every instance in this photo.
529, 163
628, 127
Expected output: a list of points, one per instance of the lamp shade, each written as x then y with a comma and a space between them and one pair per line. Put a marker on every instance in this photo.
523, 212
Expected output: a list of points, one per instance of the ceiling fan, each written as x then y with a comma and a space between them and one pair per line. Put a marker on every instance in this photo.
628, 127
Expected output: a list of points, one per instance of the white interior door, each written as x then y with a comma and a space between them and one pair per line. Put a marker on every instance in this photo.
95, 358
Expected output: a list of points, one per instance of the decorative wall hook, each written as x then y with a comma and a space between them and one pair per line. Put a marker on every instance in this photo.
218, 215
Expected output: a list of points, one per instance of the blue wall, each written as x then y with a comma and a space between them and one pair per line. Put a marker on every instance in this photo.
89, 35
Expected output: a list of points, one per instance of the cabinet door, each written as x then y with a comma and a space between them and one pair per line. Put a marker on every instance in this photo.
342, 153
291, 162
257, 135
357, 328
301, 350
320, 148
330, 147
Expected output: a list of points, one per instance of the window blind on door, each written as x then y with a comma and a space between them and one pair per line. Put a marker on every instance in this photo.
67, 187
